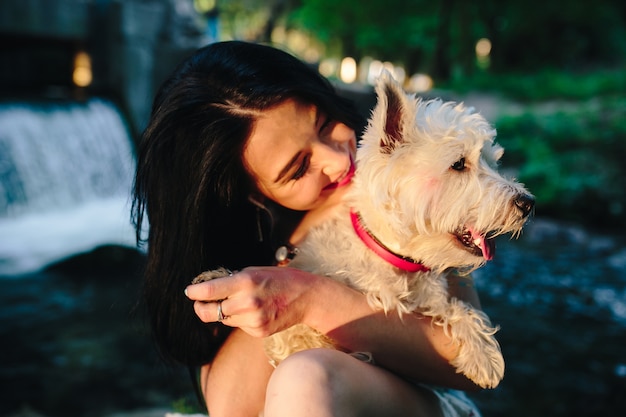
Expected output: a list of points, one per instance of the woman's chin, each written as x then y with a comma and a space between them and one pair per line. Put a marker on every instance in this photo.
334, 195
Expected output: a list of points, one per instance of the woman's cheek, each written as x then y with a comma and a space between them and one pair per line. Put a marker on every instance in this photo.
306, 199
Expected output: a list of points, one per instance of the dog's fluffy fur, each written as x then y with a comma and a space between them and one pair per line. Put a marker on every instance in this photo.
427, 187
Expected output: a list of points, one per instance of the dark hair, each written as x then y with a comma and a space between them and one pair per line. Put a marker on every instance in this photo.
191, 185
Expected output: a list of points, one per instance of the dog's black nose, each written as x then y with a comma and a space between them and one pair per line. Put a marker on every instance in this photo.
525, 203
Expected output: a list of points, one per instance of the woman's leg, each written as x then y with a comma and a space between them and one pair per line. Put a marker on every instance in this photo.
324, 383
234, 384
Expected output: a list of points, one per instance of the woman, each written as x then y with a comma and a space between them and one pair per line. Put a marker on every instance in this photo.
246, 149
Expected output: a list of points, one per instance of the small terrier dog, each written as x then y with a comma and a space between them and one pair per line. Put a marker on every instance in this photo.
426, 198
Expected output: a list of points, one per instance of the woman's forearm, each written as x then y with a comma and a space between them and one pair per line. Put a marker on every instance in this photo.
265, 300
411, 346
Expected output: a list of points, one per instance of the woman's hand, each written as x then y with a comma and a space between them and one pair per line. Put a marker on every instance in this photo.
259, 300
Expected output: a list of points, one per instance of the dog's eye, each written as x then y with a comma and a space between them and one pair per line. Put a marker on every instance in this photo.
459, 165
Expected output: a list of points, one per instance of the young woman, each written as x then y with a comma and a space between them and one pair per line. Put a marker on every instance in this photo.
246, 149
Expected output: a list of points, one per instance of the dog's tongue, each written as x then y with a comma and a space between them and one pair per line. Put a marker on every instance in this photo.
486, 245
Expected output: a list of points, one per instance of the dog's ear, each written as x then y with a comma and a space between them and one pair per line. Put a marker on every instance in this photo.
390, 93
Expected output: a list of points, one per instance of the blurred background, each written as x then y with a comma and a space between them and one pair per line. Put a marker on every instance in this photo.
77, 79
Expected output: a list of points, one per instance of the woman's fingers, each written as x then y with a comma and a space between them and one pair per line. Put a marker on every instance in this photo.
259, 300
220, 298
253, 322
211, 312
213, 290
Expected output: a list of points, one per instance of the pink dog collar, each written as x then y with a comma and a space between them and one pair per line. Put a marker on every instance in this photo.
399, 261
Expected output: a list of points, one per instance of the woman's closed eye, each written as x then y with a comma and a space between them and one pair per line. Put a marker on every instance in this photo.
302, 168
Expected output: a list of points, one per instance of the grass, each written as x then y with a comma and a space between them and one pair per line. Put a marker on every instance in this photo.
547, 84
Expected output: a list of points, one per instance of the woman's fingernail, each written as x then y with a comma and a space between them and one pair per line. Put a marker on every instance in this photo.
186, 293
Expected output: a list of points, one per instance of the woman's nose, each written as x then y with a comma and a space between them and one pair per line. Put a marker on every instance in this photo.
336, 150
334, 159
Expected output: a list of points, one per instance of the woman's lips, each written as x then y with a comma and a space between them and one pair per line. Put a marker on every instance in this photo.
344, 180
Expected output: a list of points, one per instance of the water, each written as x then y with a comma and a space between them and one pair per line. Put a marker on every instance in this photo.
65, 177
71, 339
32, 241
73, 343
559, 294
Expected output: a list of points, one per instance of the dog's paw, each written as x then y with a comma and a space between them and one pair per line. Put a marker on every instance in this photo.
485, 368
294, 339
209, 275
480, 358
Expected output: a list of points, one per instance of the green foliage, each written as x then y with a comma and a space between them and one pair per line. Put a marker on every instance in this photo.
388, 30
564, 34
572, 160
569, 141
186, 405
546, 84
439, 36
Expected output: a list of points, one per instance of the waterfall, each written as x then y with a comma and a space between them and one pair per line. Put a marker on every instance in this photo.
65, 179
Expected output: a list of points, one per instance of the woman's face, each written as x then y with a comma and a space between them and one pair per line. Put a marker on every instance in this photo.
298, 156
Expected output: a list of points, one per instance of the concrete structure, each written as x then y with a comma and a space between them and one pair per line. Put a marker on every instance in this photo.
133, 44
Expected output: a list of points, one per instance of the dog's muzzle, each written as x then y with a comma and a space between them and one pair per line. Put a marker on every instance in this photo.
525, 203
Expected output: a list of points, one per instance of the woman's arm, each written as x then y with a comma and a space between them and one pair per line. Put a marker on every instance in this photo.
265, 300
411, 346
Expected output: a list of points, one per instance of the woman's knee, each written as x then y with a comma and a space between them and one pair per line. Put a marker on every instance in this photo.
314, 377
317, 368
324, 382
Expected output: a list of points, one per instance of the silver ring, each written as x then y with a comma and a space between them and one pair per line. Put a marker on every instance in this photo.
220, 314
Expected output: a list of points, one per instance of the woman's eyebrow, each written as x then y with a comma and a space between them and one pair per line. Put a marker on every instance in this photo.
288, 167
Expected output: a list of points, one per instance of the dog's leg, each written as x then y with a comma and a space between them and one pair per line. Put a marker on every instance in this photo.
295, 339
209, 275
479, 358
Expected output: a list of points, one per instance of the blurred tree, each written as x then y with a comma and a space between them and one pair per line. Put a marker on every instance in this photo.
277, 10
565, 34
435, 37
389, 30
439, 36
252, 20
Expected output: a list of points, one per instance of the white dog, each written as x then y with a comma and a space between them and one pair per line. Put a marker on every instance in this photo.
426, 197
